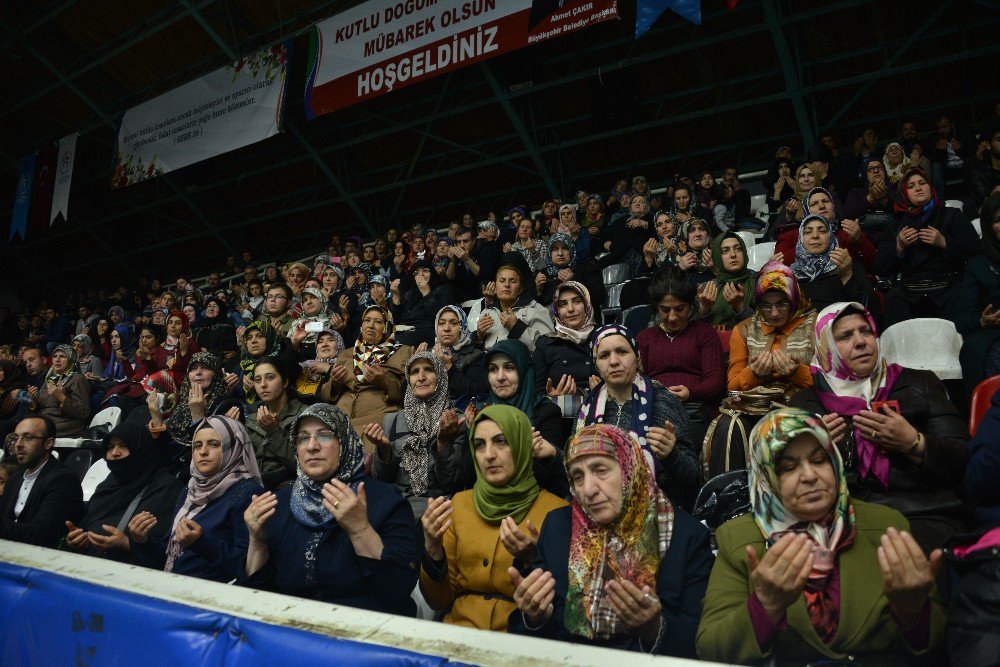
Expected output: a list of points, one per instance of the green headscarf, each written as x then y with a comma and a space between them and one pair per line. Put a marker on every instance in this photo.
514, 499
722, 312
525, 399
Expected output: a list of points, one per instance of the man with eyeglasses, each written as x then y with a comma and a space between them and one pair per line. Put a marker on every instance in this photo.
43, 494
277, 301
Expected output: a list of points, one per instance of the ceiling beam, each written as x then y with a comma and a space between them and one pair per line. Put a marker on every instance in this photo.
789, 70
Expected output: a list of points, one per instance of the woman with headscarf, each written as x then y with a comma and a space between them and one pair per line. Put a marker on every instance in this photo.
779, 182
533, 250
123, 344
693, 254
149, 359
628, 398
260, 341
418, 448
896, 162
416, 300
337, 535
496, 522
136, 483
909, 455
729, 299
826, 272
208, 538
313, 301
64, 396
214, 331
367, 381
774, 346
178, 344
464, 362
658, 251
977, 313
269, 421
511, 378
621, 567
927, 247
102, 340
313, 373
86, 361
562, 359
813, 574
562, 265
871, 201
795, 208
513, 313
820, 201
684, 207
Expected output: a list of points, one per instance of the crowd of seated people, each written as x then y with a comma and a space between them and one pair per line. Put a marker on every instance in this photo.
452, 424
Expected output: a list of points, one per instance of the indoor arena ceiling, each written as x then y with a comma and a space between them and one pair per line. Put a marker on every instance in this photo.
574, 112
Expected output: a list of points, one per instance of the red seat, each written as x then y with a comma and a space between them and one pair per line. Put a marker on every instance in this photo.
724, 336
981, 401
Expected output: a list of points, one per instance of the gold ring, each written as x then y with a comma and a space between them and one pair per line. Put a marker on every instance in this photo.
336, 503
874, 434
255, 517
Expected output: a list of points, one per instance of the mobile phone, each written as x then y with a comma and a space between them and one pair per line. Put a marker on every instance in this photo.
892, 405
314, 327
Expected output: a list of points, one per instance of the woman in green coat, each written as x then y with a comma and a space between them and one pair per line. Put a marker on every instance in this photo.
811, 574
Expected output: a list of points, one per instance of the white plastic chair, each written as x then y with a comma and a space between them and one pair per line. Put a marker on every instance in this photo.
978, 227
616, 273
96, 474
748, 238
925, 343
953, 203
108, 416
759, 254
757, 202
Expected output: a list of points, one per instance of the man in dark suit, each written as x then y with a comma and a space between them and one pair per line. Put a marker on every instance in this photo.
43, 494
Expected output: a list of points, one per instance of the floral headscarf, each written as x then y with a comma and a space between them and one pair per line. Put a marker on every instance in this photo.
238, 463
630, 548
682, 242
807, 265
551, 270
88, 348
776, 277
72, 368
515, 498
377, 353
768, 440
180, 421
578, 336
464, 336
423, 416
843, 392
163, 382
895, 174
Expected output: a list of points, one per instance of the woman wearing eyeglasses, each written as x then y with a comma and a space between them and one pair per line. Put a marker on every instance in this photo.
337, 535
775, 345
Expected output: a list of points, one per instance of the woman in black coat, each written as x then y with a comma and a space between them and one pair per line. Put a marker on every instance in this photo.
417, 307
927, 248
563, 360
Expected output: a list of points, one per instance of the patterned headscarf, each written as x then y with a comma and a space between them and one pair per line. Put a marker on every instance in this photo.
629, 548
307, 493
126, 336
682, 242
180, 421
768, 440
843, 392
88, 348
895, 174
72, 367
515, 498
423, 416
238, 463
464, 336
272, 345
776, 277
592, 411
578, 336
551, 270
163, 382
807, 265
378, 352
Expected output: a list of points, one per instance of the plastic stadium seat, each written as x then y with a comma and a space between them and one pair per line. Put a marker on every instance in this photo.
95, 475
925, 343
981, 397
79, 462
613, 306
757, 202
748, 238
616, 273
978, 227
759, 254
637, 318
953, 203
100, 425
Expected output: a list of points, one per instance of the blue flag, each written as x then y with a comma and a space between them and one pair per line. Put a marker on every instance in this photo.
22, 200
647, 11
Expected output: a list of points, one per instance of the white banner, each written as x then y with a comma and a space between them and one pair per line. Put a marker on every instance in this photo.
64, 178
232, 107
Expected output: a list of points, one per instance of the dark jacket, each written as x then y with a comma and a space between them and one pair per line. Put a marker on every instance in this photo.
467, 375
556, 356
420, 312
681, 583
982, 474
922, 261
587, 273
828, 289
981, 179
973, 614
341, 576
59, 330
55, 498
980, 287
931, 491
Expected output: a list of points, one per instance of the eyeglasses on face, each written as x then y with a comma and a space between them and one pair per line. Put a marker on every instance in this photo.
322, 437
